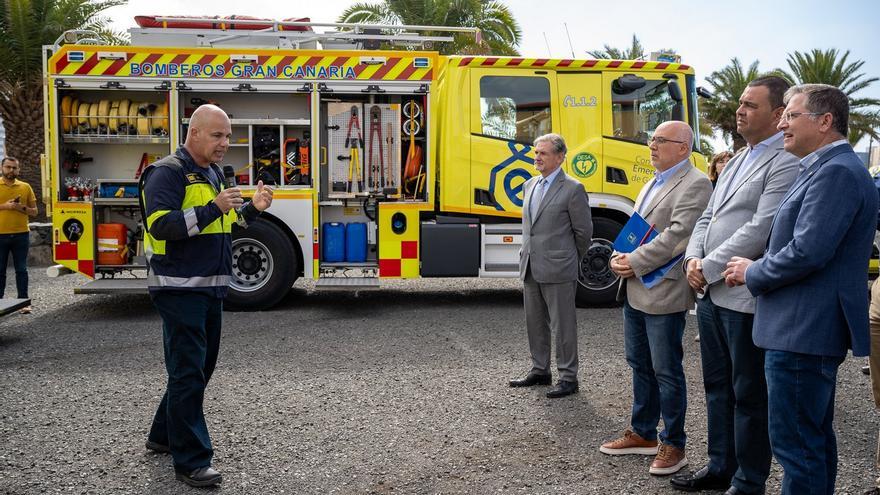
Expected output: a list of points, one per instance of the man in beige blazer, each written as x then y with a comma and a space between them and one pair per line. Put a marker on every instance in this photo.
557, 230
654, 319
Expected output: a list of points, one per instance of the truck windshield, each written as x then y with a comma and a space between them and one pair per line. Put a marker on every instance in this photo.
637, 113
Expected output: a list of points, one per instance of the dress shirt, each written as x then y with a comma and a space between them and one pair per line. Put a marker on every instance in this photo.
540, 189
809, 160
660, 178
748, 161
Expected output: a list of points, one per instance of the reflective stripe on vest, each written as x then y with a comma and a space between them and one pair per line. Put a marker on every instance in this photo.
154, 280
198, 194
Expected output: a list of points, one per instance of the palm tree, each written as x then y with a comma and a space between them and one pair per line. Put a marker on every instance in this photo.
635, 51
831, 67
25, 26
500, 32
705, 144
728, 85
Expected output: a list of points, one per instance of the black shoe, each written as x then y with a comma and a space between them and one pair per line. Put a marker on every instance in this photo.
701, 480
203, 476
866, 369
157, 447
736, 491
562, 389
532, 379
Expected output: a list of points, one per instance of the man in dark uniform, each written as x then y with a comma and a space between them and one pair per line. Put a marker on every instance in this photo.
188, 215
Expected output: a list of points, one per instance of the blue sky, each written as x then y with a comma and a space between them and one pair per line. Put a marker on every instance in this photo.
706, 34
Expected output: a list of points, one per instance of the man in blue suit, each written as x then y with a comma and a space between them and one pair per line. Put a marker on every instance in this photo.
811, 283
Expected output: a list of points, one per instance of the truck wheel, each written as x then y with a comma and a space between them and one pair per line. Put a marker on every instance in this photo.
597, 284
264, 267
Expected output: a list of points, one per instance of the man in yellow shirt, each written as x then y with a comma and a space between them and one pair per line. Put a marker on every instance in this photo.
17, 203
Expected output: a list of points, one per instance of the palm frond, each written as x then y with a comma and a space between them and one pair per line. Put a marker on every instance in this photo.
365, 13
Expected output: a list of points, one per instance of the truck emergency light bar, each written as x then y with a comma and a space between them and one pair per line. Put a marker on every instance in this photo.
80, 37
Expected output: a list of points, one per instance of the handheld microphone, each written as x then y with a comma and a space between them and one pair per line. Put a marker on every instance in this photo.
229, 176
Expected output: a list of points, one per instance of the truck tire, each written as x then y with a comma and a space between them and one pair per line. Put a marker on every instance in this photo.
264, 267
597, 284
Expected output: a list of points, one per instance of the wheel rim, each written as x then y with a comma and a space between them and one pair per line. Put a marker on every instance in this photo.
595, 271
252, 265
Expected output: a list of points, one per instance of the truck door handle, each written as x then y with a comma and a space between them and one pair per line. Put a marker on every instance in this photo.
484, 197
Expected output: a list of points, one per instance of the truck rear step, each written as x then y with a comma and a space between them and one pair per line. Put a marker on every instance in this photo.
347, 283
114, 286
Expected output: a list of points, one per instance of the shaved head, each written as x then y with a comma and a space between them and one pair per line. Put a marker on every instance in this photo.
681, 130
205, 115
207, 138
671, 144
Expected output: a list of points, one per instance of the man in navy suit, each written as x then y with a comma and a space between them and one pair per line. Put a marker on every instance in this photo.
811, 285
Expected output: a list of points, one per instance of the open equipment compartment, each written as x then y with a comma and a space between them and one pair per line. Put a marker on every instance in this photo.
270, 131
109, 132
373, 152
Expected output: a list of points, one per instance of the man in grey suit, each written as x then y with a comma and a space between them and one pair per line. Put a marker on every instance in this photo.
811, 285
737, 223
557, 231
654, 318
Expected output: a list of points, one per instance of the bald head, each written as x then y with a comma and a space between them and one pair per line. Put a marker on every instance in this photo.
681, 130
671, 144
207, 139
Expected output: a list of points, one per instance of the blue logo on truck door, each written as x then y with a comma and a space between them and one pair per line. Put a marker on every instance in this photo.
516, 176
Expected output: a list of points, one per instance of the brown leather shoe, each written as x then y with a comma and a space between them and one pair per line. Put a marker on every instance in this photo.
629, 443
669, 460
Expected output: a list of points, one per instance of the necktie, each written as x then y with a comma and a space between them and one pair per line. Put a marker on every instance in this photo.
537, 196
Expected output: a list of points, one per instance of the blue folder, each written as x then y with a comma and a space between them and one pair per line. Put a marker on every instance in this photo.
636, 232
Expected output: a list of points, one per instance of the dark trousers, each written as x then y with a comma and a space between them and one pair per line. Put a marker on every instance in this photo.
801, 390
191, 328
736, 396
654, 352
18, 245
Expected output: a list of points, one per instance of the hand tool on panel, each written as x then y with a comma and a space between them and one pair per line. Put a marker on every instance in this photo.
376, 161
353, 139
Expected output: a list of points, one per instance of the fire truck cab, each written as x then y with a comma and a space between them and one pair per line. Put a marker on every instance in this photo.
388, 163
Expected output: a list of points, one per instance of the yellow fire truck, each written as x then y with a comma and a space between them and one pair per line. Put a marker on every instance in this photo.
388, 163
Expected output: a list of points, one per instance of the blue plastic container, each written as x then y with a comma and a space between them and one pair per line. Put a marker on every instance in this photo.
334, 242
356, 242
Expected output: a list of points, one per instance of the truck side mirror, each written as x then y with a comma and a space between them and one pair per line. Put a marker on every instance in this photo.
705, 93
675, 93
627, 83
673, 90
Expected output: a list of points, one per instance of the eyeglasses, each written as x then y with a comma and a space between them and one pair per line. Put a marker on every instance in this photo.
662, 140
789, 116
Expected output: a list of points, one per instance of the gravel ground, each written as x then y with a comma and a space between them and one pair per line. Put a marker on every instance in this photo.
401, 390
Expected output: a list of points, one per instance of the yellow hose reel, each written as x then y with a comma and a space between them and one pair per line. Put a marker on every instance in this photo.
113, 117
